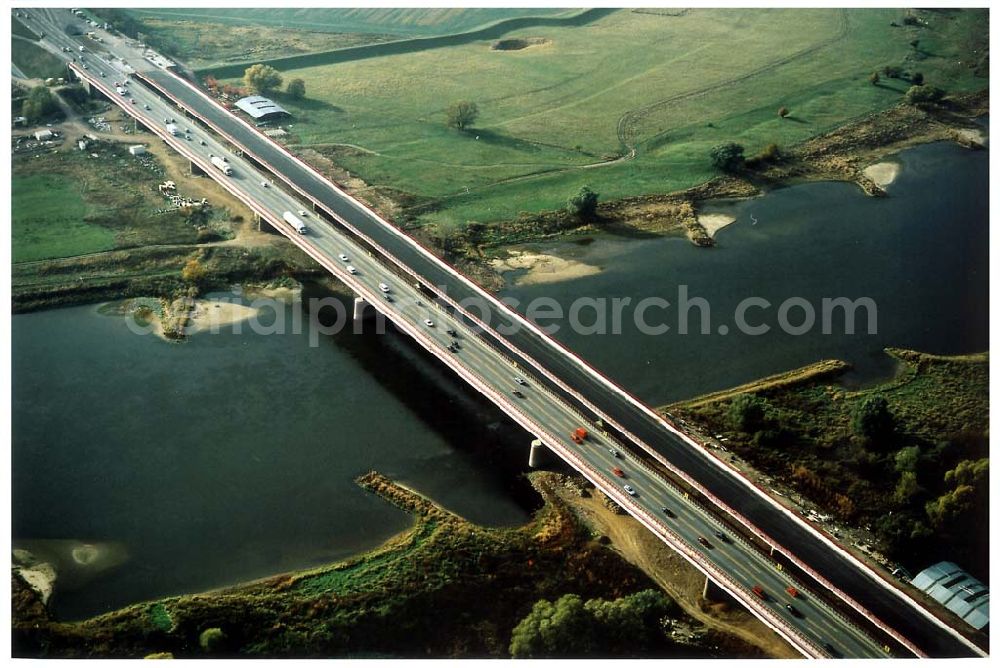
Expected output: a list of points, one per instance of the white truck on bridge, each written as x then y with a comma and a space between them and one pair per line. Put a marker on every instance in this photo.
294, 221
172, 129
222, 165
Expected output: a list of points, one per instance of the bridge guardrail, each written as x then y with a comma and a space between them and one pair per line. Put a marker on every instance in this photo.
544, 372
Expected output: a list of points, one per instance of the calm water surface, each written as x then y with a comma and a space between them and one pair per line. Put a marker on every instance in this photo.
920, 254
232, 457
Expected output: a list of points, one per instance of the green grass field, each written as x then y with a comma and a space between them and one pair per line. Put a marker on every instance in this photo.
669, 86
68, 203
205, 45
400, 22
48, 212
18, 28
35, 61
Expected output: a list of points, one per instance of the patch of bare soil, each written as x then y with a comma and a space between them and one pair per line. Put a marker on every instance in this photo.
669, 570
385, 204
178, 169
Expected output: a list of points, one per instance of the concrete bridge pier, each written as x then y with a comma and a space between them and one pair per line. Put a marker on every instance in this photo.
262, 224
712, 591
539, 454
198, 171
362, 309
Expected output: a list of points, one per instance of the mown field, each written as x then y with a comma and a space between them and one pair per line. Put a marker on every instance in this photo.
669, 86
400, 22
68, 203
48, 214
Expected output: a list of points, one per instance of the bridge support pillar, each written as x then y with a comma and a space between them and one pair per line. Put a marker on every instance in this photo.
262, 224
715, 593
362, 309
538, 455
198, 171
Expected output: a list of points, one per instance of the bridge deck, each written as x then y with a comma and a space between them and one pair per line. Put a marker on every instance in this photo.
581, 386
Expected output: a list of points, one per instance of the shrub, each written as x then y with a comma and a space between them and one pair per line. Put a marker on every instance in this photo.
193, 271
923, 95
782, 112
874, 78
892, 71
583, 204
873, 419
728, 157
296, 89
212, 639
261, 78
461, 115
771, 153
917, 79
747, 413
40, 103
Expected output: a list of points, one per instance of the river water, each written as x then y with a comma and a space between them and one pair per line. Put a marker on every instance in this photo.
231, 457
920, 255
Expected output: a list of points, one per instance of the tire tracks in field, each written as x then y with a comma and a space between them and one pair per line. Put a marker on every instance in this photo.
628, 120
626, 123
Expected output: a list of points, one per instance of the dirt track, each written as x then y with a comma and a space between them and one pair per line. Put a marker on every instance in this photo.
678, 578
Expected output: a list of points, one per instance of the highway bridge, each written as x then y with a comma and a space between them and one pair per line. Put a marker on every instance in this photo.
682, 492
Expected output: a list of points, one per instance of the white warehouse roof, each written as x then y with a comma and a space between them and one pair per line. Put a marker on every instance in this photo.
961, 593
260, 107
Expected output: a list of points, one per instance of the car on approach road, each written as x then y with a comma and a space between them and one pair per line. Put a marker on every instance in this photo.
793, 592
428, 322
614, 453
668, 512
383, 287
451, 333
519, 380
303, 213
792, 609
721, 536
629, 489
387, 297
759, 592
618, 472
263, 184
343, 258
517, 393
351, 270
146, 107
704, 541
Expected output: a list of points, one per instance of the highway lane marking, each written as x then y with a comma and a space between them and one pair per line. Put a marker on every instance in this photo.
548, 412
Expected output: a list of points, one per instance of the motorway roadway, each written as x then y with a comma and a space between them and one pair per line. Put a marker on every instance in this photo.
549, 406
571, 379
